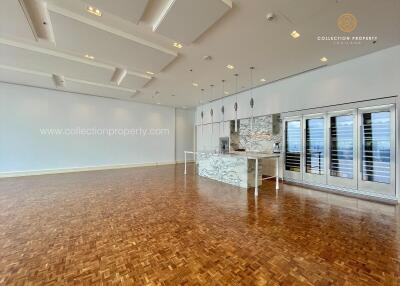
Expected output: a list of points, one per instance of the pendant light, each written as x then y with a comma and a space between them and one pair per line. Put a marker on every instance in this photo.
251, 99
211, 110
236, 104
223, 107
202, 111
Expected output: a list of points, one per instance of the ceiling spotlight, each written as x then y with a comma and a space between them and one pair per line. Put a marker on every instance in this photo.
263, 80
195, 84
324, 59
94, 11
295, 34
89, 57
270, 17
158, 103
178, 45
226, 93
231, 67
150, 73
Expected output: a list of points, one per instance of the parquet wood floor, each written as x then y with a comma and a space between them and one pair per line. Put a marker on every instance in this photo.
154, 226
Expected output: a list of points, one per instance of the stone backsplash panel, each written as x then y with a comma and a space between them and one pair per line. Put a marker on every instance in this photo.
259, 136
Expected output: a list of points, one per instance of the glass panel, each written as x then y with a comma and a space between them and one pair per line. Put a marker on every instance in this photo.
376, 147
341, 151
315, 146
293, 146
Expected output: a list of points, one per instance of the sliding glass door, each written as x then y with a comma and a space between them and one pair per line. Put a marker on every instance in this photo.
314, 149
342, 149
377, 150
293, 147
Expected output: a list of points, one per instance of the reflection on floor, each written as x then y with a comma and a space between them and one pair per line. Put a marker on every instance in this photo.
153, 225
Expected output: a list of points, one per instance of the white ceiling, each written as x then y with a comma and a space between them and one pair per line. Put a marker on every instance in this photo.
123, 37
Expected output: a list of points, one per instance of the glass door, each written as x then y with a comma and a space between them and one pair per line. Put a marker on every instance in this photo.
293, 148
314, 149
377, 150
342, 142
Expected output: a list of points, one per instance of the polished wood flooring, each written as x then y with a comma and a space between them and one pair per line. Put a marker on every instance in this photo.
154, 226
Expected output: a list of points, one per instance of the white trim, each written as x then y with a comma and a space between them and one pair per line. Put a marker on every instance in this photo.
183, 161
163, 14
66, 56
69, 79
111, 30
79, 169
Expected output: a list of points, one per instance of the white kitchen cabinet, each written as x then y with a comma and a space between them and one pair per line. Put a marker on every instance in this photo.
199, 139
229, 103
207, 116
216, 106
205, 137
198, 115
260, 104
243, 105
215, 134
224, 129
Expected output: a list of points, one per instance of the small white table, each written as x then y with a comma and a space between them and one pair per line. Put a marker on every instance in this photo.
257, 157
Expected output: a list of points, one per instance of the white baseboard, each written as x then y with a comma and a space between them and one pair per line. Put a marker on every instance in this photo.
78, 169
183, 161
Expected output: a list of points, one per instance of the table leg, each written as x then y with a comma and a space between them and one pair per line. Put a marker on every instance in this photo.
185, 163
277, 173
256, 179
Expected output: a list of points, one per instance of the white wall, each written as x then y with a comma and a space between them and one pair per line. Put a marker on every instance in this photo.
25, 110
184, 135
372, 76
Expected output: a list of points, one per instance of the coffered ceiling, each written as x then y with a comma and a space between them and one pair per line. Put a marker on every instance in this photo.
166, 51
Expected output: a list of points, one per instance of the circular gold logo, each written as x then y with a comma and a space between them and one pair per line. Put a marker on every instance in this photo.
347, 22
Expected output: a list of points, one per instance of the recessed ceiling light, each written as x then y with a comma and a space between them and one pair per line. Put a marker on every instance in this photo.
178, 45
225, 92
89, 57
263, 80
94, 11
158, 103
295, 34
195, 84
231, 67
324, 59
150, 73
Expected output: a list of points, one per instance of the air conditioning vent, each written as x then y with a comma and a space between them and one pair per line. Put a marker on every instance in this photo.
118, 76
59, 80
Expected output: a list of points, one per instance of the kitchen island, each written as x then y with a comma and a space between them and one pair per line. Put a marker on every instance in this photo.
242, 169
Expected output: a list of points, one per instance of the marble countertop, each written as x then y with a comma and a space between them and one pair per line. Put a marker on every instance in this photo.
248, 155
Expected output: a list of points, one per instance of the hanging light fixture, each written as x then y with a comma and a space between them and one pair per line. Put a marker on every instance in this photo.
236, 104
202, 111
211, 110
223, 107
251, 99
